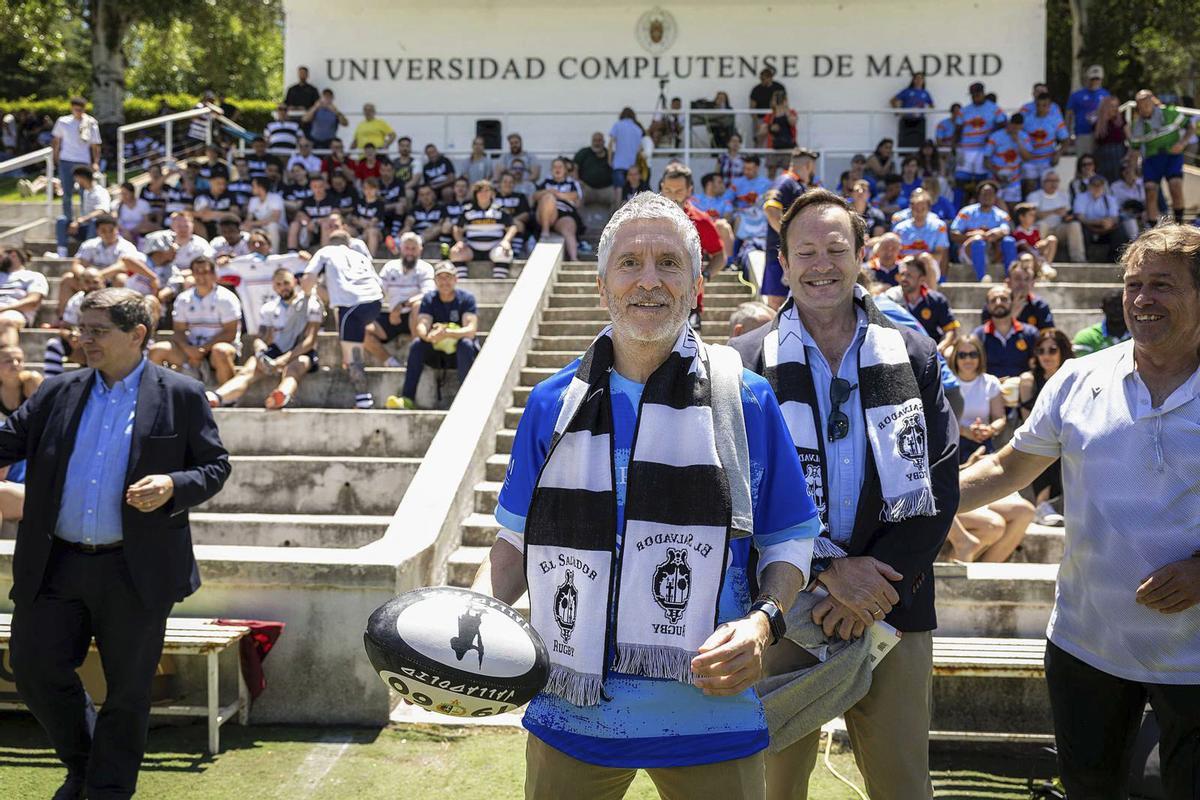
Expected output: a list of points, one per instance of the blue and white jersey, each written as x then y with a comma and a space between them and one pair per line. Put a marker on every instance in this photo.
646, 722
944, 133
914, 98
1030, 109
978, 122
974, 217
1045, 133
715, 207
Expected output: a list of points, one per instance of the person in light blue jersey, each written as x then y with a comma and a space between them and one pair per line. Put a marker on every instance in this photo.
597, 467
1005, 152
1040, 88
1047, 133
982, 227
977, 121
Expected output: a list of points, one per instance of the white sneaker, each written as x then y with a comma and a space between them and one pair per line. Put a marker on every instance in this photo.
986, 279
393, 362
1046, 515
25, 186
50, 254
62, 252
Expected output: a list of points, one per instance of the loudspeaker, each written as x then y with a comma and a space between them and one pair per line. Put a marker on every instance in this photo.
489, 131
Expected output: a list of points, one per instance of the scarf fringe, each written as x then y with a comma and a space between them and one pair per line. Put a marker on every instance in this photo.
576, 688
824, 547
917, 503
654, 661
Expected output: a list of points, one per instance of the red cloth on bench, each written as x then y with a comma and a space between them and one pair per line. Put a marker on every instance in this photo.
253, 648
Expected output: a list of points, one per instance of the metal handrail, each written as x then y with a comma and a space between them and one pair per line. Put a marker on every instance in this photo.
46, 154
209, 111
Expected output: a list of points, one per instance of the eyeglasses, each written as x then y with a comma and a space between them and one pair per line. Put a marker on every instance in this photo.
1043, 351
969, 354
839, 423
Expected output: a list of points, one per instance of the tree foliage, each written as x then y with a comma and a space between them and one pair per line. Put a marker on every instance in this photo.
172, 46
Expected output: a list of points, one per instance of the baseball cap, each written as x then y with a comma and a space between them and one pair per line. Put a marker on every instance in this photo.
975, 88
1095, 71
444, 267
158, 242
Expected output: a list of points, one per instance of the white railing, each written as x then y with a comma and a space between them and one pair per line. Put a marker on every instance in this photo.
45, 155
211, 114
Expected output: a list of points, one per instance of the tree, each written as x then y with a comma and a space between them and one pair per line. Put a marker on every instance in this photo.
43, 49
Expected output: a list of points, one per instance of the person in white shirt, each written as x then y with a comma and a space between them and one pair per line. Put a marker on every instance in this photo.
64, 347
207, 321
21, 294
1053, 204
103, 251
251, 275
1097, 211
405, 281
75, 143
232, 242
1126, 622
153, 271
134, 216
1130, 193
355, 291
286, 346
265, 211
305, 157
94, 201
188, 246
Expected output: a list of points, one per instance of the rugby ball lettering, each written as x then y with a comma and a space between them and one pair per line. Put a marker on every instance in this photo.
456, 652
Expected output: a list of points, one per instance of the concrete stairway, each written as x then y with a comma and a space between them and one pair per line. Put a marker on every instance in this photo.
567, 327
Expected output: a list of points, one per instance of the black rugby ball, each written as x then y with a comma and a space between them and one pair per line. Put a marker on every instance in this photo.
456, 652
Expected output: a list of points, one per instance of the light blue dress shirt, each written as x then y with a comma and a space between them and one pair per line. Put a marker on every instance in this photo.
95, 486
845, 459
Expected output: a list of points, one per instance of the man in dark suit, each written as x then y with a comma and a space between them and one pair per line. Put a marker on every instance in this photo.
853, 370
117, 453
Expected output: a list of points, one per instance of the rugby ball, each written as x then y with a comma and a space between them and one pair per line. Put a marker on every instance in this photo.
456, 652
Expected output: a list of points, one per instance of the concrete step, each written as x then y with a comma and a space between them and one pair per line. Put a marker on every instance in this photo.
968, 699
497, 465
512, 416
329, 387
1000, 600
588, 277
531, 376
578, 344
521, 395
464, 563
287, 530
1069, 322
487, 494
327, 432
1091, 271
718, 317
479, 530
314, 485
504, 440
555, 359
1042, 545
1060, 296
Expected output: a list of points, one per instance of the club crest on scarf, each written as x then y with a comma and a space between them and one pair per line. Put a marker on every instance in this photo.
910, 440
673, 584
566, 605
815, 484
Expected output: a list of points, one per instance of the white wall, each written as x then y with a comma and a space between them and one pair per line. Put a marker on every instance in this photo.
829, 55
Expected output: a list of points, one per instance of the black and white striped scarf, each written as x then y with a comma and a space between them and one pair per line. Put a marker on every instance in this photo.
653, 599
892, 409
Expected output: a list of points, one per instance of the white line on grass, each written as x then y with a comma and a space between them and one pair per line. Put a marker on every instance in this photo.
319, 761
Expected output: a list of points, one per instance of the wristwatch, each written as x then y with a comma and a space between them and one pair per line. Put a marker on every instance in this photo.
770, 606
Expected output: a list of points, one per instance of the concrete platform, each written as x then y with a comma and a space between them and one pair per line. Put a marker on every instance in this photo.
328, 432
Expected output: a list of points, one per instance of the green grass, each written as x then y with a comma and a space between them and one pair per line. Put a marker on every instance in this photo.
411, 762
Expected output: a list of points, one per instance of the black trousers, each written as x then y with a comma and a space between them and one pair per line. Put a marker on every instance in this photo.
1097, 716
84, 596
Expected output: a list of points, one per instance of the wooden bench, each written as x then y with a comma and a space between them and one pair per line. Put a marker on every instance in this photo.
185, 637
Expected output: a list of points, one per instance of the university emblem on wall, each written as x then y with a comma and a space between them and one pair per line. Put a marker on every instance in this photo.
656, 31
566, 605
673, 584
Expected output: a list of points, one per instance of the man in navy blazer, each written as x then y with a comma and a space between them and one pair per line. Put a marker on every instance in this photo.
117, 453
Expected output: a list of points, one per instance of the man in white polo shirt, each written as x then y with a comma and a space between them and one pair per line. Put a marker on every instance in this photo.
1126, 622
406, 280
75, 142
207, 320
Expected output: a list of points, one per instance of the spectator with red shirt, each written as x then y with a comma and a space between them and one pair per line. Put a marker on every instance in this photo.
369, 166
337, 160
676, 185
1029, 238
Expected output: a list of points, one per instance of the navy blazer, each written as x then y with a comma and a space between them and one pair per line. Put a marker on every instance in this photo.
909, 546
173, 434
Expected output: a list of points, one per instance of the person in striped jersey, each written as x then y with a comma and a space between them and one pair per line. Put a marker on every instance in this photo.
207, 321
556, 202
517, 206
282, 133
484, 232
286, 347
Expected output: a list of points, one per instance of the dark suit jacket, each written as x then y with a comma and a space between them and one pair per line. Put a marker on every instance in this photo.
173, 434
910, 546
